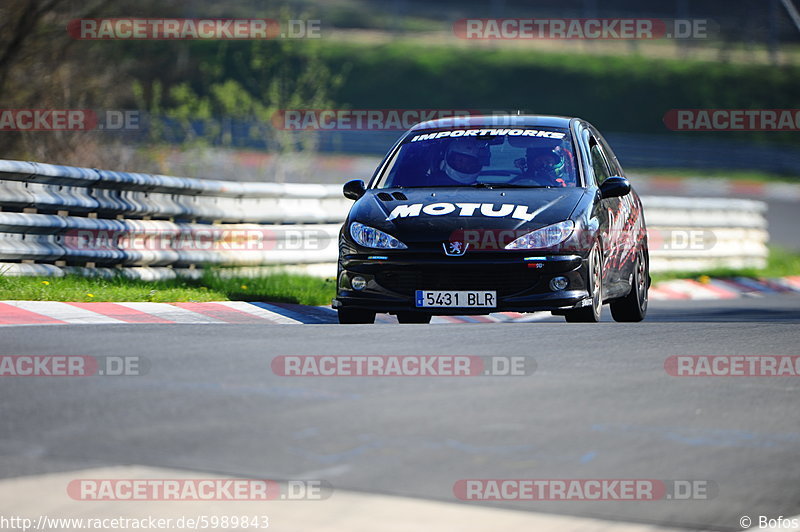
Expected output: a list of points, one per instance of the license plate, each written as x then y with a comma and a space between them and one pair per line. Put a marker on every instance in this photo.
457, 299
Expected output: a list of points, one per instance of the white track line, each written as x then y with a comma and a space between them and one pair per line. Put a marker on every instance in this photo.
344, 511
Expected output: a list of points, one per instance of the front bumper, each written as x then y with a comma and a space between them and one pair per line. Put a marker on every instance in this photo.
521, 281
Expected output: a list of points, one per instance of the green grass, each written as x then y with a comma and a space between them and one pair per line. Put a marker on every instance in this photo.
781, 262
279, 287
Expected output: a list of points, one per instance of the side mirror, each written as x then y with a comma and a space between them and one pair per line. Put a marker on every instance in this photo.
354, 189
615, 187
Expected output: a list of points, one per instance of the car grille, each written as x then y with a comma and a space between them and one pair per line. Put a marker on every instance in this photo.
503, 282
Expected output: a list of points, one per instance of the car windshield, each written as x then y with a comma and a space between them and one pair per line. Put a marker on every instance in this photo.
495, 158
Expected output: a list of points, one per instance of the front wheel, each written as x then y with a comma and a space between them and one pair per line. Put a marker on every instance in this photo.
352, 316
633, 307
591, 314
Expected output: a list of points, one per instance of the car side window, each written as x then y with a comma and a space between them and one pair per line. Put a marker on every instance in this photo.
599, 164
611, 158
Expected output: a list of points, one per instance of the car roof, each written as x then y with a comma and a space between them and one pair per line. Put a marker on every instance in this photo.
495, 121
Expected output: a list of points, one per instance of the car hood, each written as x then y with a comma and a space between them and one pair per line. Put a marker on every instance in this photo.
428, 215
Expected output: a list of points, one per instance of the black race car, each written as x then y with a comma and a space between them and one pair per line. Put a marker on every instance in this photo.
487, 214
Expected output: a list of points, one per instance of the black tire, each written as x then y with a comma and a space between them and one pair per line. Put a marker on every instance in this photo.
633, 307
413, 317
593, 313
352, 316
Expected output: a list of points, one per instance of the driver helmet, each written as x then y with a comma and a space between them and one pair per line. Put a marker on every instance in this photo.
462, 160
550, 164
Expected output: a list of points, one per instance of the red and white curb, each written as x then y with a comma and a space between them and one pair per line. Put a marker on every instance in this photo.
242, 312
728, 288
58, 313
222, 312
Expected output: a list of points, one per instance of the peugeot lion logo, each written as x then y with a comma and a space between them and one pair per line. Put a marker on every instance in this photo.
454, 249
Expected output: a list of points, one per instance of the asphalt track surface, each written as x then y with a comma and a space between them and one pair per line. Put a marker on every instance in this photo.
599, 405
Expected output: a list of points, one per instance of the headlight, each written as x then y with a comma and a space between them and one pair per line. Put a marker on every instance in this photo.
545, 237
369, 237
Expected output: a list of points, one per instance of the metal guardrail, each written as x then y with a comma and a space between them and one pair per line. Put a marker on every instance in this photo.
60, 219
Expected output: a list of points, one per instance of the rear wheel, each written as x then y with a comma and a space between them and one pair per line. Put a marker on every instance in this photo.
633, 307
413, 317
350, 316
591, 314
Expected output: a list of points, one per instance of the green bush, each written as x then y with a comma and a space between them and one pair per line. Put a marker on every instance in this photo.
617, 93
622, 93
